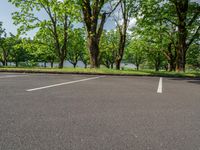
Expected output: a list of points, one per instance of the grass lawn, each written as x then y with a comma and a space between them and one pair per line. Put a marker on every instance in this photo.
103, 71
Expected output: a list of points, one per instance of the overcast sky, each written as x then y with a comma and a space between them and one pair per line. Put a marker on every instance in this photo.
198, 1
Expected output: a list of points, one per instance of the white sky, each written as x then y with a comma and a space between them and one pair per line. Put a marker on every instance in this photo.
7, 8
198, 1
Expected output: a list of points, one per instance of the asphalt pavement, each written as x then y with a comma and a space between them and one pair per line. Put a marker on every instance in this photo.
85, 112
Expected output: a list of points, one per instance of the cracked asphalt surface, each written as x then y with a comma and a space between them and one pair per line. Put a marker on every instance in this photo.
109, 113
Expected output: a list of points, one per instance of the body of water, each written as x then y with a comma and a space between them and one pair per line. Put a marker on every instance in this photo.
80, 64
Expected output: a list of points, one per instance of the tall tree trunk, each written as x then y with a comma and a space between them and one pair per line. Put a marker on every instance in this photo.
74, 65
137, 66
45, 64
118, 63
6, 63
5, 60
94, 51
85, 65
52, 63
184, 41
95, 17
3, 63
182, 48
122, 43
5, 57
16, 64
157, 67
123, 31
107, 64
166, 67
111, 65
172, 66
181, 10
171, 57
61, 63
157, 63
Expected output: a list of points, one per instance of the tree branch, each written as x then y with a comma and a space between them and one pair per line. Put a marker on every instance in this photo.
193, 37
113, 9
196, 15
171, 21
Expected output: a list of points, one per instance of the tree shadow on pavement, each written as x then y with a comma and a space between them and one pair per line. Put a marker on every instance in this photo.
194, 81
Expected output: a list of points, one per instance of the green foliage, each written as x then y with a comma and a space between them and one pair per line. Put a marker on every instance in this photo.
85, 56
17, 52
45, 50
159, 22
11, 50
3, 51
60, 15
109, 47
166, 33
193, 56
76, 46
136, 52
27, 18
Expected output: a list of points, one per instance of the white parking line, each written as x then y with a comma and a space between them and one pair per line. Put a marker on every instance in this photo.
65, 83
160, 86
12, 76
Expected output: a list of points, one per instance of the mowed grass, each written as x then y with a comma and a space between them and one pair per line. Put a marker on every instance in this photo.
102, 71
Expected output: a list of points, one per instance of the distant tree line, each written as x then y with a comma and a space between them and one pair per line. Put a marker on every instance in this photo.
165, 34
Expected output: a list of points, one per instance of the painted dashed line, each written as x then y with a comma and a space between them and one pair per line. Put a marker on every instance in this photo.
65, 83
160, 86
12, 76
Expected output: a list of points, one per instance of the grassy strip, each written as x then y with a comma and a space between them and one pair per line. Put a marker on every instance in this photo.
102, 71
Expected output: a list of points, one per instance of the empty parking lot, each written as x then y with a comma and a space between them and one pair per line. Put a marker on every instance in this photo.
82, 112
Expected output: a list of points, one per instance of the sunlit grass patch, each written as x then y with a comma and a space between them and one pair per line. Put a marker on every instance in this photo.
103, 71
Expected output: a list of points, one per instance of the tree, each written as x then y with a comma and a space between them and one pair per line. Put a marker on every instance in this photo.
188, 21
85, 56
193, 55
46, 51
177, 24
135, 52
31, 48
76, 46
109, 47
60, 14
94, 16
156, 57
3, 46
128, 9
17, 52
170, 54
